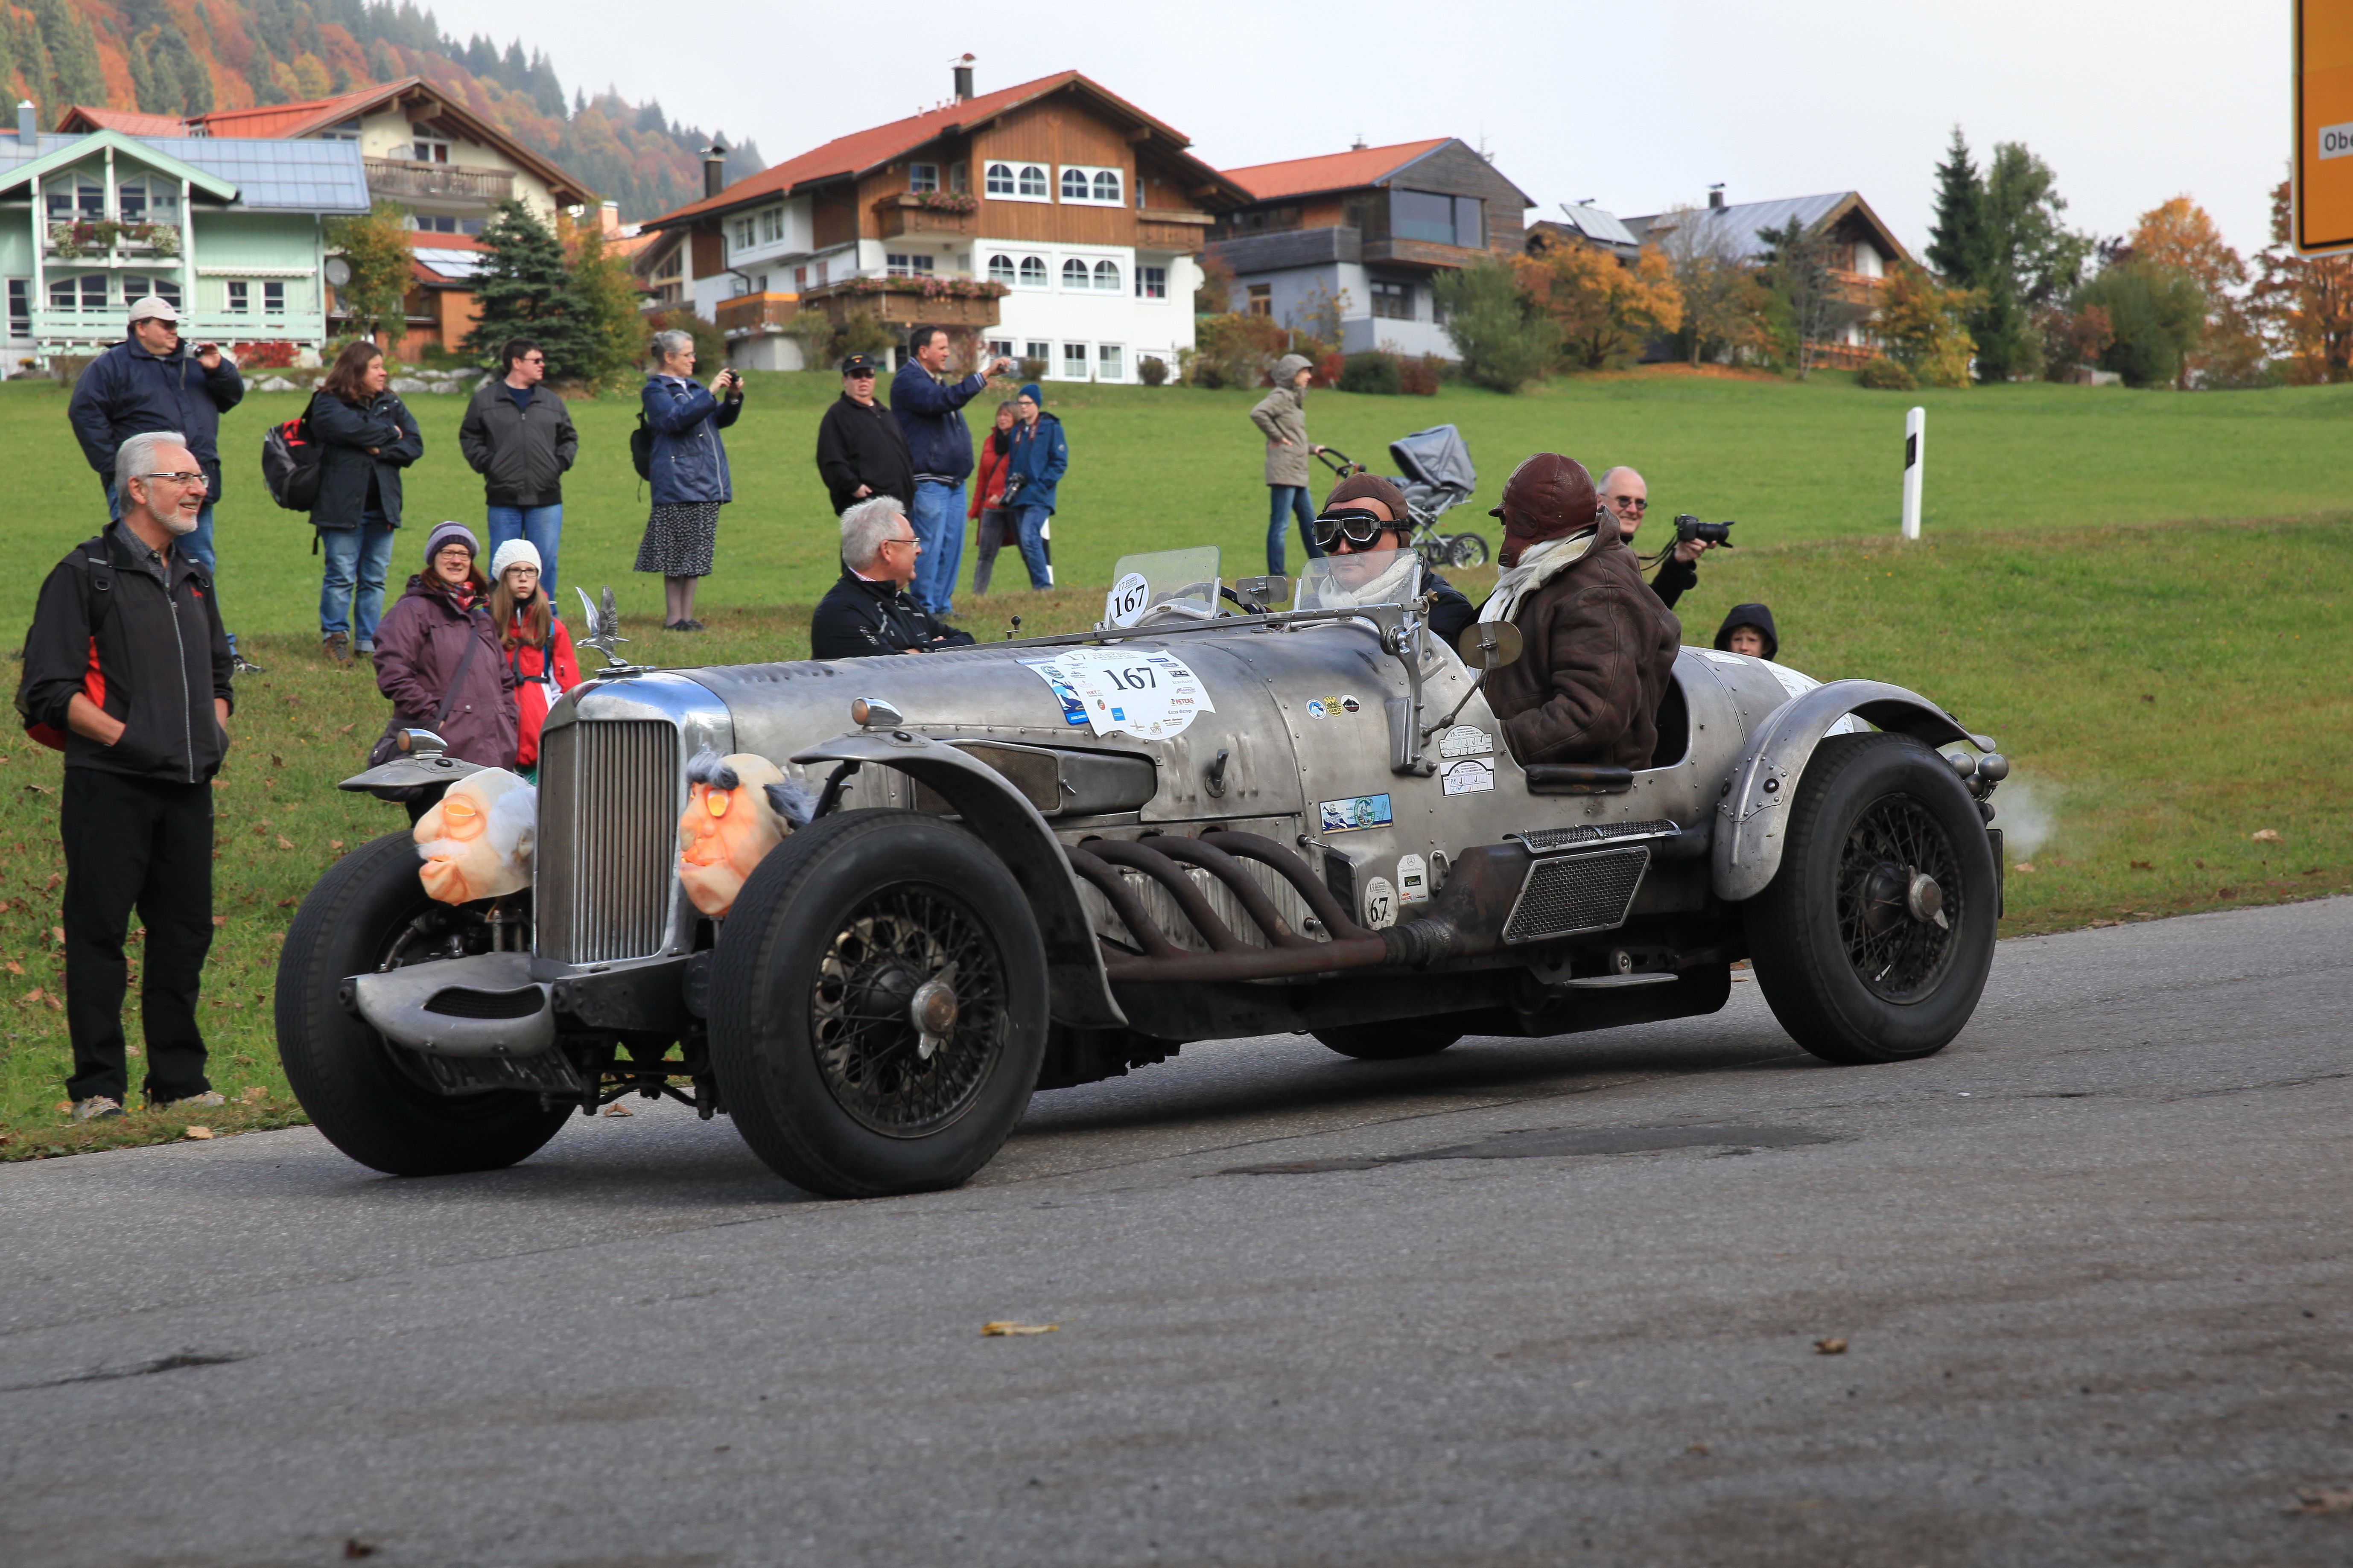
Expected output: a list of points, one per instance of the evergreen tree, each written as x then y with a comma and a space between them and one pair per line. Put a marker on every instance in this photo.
1957, 247
526, 289
76, 75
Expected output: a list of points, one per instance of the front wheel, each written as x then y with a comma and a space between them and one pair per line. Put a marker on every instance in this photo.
878, 1005
1873, 940
1466, 550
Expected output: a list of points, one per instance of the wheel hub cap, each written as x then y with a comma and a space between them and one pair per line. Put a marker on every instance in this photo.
933, 1011
1926, 900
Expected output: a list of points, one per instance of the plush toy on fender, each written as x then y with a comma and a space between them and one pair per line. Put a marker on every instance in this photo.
477, 841
737, 809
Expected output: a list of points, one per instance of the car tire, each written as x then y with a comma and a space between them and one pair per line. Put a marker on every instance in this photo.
348, 1077
1466, 550
1851, 965
1395, 1041
819, 970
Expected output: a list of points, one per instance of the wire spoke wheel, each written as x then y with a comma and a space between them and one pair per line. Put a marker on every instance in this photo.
1899, 899
906, 1010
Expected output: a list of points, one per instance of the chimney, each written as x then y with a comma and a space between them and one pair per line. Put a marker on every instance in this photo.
28, 124
1358, 144
964, 79
608, 218
715, 167
1715, 197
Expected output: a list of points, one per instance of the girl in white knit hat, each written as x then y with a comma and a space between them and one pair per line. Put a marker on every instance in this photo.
538, 648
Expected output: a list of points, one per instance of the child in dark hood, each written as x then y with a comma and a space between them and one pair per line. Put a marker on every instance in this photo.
1748, 629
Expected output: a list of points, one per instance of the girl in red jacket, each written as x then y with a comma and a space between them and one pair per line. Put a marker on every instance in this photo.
988, 498
538, 648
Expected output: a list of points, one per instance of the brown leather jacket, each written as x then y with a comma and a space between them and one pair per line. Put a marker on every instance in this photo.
1600, 650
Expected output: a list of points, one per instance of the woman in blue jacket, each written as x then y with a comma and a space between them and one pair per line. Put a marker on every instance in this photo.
1039, 458
688, 471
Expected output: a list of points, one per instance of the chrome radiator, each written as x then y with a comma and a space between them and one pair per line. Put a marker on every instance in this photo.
609, 796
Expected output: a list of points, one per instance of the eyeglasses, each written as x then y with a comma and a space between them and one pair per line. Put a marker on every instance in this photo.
534, 359
1629, 503
909, 539
862, 375
1357, 525
196, 481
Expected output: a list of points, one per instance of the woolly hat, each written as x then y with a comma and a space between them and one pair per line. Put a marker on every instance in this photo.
1034, 392
451, 533
515, 552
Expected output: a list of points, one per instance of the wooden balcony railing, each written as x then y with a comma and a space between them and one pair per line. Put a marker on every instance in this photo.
437, 182
905, 214
756, 315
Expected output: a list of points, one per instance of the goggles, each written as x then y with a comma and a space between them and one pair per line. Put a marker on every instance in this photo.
1358, 525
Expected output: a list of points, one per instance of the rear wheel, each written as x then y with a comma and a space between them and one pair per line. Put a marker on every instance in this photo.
1466, 550
369, 912
877, 1005
1873, 941
1392, 1042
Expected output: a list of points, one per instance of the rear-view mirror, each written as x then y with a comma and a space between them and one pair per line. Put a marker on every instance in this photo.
1490, 644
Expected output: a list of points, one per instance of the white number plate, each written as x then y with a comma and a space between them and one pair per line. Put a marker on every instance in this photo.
1150, 693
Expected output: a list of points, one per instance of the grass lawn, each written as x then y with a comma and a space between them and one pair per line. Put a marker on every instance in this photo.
2168, 681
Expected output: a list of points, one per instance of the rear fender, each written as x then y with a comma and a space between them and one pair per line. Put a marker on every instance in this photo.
1002, 819
1753, 816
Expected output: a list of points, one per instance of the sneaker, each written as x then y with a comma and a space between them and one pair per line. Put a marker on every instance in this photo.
97, 1108
190, 1102
337, 647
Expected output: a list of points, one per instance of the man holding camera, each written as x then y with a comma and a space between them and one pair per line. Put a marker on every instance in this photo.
1628, 499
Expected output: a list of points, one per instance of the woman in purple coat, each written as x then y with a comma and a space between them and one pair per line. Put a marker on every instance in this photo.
437, 658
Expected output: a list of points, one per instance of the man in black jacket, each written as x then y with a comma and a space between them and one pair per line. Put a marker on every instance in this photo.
868, 611
127, 663
517, 436
1628, 499
860, 450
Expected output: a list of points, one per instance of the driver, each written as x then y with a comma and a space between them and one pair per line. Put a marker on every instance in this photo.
1364, 518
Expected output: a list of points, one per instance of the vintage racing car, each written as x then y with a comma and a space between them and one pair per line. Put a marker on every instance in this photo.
962, 877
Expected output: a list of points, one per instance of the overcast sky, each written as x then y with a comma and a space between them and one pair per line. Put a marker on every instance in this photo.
1636, 106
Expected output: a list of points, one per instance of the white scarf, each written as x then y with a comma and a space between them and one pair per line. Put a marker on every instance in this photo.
1539, 564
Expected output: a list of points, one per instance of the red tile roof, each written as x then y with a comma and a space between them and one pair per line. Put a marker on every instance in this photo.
1332, 172
129, 121
294, 119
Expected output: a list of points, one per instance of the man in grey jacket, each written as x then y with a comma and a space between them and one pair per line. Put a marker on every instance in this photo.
519, 437
1282, 416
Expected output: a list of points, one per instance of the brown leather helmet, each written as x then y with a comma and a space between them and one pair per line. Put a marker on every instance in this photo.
1547, 496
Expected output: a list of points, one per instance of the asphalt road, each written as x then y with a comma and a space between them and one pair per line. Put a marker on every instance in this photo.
2091, 1266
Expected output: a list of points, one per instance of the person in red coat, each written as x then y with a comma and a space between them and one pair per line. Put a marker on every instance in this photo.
538, 648
988, 498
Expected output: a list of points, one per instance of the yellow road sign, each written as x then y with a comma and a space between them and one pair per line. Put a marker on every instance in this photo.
2324, 126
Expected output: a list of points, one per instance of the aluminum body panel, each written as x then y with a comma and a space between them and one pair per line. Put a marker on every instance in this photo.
395, 1002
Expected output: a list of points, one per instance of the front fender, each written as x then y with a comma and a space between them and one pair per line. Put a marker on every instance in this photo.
1753, 816
1005, 821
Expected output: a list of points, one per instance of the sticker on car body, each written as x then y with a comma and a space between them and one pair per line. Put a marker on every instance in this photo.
1413, 879
1152, 693
1381, 903
1471, 775
1466, 740
1356, 812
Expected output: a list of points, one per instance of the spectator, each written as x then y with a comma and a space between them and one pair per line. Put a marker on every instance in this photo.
440, 660
1749, 629
366, 437
861, 449
868, 611
1282, 415
1039, 458
988, 498
519, 438
1361, 517
538, 648
930, 411
1628, 498
1599, 647
142, 383
690, 472
128, 665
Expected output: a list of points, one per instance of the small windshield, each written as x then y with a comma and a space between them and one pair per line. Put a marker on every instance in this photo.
1360, 577
1166, 583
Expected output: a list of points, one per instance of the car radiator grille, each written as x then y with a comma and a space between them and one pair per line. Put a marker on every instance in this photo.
1575, 893
608, 805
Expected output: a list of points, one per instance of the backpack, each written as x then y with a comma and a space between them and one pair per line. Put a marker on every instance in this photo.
290, 464
101, 584
641, 447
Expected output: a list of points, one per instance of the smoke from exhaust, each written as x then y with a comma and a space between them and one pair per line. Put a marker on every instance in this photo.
2027, 814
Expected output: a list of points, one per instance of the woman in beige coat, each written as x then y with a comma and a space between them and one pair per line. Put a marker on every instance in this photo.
1282, 415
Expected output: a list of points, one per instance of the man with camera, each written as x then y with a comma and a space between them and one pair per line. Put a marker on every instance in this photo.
1628, 499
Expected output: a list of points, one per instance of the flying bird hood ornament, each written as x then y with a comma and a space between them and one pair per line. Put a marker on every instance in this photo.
604, 630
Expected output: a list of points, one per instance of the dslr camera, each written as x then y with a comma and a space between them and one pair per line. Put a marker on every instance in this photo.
1688, 528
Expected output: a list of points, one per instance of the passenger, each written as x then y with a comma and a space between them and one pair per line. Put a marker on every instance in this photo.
1749, 629
1599, 648
1366, 513
538, 647
868, 611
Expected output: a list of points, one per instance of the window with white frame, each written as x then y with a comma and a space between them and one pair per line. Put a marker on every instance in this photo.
84, 292
1107, 186
1111, 363
739, 233
274, 299
1107, 276
135, 287
1094, 185
1033, 272
1041, 353
960, 178
772, 225
349, 131
1000, 270
427, 147
1074, 362
148, 199
238, 296
1033, 183
998, 180
20, 307
1075, 187
1074, 274
911, 265
922, 177
1001, 348
79, 197
1392, 301
1151, 282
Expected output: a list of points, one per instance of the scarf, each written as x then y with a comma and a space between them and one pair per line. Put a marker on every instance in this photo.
1539, 564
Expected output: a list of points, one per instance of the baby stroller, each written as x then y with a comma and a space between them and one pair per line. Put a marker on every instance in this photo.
1436, 476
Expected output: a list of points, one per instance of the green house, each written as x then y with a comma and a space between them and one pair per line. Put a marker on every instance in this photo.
233, 232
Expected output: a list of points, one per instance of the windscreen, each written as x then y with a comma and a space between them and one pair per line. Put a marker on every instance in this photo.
1360, 577
1171, 583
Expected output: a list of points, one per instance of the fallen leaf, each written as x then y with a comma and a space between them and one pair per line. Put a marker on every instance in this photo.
288, 903
42, 789
1701, 1449
334, 844
199, 1134
58, 935
64, 1107
2147, 697
2142, 866
1830, 1347
356, 1548
1006, 1329
2323, 1500
220, 920
2226, 893
348, 728
51, 885
14, 967
618, 1108
2265, 836
255, 1095
284, 842
2025, 866
34, 995
276, 761
277, 936
55, 1005
2097, 924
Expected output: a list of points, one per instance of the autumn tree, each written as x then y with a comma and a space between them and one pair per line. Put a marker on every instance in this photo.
376, 247
2179, 235
1922, 325
1724, 305
1798, 262
2305, 303
1605, 309
608, 296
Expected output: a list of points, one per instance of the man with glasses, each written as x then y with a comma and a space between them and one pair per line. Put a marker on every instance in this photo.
149, 382
1629, 499
868, 611
519, 438
930, 411
1360, 531
127, 672
862, 453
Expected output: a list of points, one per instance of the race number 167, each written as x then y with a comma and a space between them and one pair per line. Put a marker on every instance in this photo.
1135, 677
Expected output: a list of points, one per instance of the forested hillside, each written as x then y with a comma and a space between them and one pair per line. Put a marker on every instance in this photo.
188, 56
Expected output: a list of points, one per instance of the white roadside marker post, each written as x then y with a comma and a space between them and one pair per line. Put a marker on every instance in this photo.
1915, 438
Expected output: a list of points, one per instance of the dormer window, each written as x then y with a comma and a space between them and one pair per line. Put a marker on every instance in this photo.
426, 146
349, 131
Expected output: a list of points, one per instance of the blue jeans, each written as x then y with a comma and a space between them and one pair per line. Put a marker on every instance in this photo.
355, 555
939, 525
1033, 526
1291, 499
542, 526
